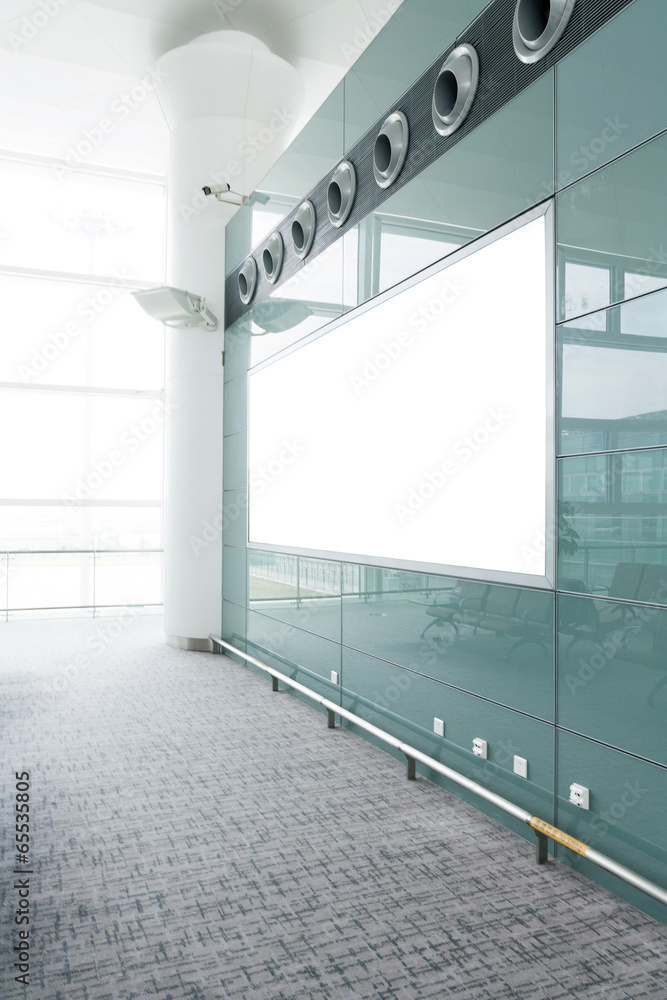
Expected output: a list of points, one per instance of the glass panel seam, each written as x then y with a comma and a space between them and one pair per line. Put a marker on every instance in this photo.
453, 687
613, 305
609, 163
611, 746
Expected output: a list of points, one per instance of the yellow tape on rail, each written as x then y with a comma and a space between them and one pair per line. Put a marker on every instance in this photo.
559, 836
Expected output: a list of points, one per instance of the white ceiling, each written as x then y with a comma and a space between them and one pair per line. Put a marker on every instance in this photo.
65, 64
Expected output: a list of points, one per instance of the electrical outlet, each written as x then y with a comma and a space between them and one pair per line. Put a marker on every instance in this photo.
480, 748
580, 796
334, 677
521, 766
439, 727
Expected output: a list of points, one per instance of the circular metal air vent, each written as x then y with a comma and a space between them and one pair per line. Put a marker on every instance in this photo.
538, 25
247, 280
455, 89
272, 257
303, 229
390, 149
340, 193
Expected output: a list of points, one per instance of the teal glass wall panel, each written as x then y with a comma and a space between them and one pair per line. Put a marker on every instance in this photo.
296, 590
607, 91
612, 673
498, 171
308, 301
613, 515
314, 151
237, 348
611, 231
627, 816
417, 33
235, 405
613, 378
490, 640
302, 656
405, 703
234, 517
234, 575
233, 624
234, 461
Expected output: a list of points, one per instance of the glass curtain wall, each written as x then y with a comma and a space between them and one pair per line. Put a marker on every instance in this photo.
570, 677
81, 391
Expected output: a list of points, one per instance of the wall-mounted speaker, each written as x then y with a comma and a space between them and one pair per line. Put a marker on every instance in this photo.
538, 25
455, 89
391, 147
340, 193
303, 229
272, 257
247, 280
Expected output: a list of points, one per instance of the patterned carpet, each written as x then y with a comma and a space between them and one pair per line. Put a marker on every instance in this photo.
196, 837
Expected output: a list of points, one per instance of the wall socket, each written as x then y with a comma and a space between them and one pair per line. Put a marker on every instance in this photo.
580, 796
439, 727
480, 748
521, 766
334, 677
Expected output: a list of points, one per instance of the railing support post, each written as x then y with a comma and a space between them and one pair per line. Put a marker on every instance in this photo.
331, 719
541, 848
274, 683
411, 773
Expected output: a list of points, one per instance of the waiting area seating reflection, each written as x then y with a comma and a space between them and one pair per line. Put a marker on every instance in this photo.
505, 611
631, 633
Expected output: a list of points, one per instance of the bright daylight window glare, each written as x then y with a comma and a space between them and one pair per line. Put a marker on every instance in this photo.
81, 391
416, 430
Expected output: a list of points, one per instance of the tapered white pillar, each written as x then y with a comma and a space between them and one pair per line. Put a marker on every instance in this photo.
230, 104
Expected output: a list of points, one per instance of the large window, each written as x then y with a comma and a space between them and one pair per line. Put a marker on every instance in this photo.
416, 431
81, 391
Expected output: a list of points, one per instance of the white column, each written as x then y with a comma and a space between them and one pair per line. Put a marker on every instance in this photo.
230, 104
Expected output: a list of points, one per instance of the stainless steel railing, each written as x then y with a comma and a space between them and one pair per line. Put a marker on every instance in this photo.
543, 831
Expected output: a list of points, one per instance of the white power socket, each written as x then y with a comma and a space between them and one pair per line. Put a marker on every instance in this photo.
580, 796
334, 677
480, 748
439, 727
521, 766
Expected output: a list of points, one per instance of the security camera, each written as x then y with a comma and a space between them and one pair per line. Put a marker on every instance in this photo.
224, 193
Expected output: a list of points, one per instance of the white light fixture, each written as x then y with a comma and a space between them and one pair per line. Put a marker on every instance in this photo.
175, 307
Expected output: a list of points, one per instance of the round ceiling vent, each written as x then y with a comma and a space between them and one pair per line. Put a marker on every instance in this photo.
247, 280
390, 149
272, 257
455, 89
538, 25
340, 193
303, 229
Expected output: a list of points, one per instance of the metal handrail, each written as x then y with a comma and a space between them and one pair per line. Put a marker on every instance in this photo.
543, 831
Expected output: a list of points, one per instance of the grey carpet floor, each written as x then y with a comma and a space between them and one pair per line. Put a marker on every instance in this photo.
196, 837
